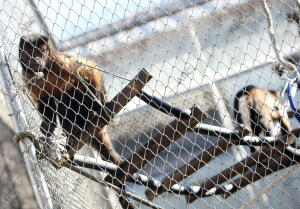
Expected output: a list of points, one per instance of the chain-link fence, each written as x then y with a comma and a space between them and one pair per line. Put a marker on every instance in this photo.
160, 104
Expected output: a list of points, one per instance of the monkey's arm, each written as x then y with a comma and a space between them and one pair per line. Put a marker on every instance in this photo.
47, 108
246, 103
106, 147
267, 121
102, 142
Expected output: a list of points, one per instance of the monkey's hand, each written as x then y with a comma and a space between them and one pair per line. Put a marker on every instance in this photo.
243, 130
278, 68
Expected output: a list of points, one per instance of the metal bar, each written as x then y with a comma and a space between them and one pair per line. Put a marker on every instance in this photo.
262, 170
128, 23
203, 158
244, 165
251, 177
216, 131
259, 141
163, 106
206, 156
114, 107
131, 90
201, 128
109, 185
293, 151
188, 169
170, 133
104, 166
228, 189
42, 22
27, 148
234, 135
240, 167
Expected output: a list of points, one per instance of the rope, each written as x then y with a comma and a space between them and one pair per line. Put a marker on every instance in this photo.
283, 62
95, 98
274, 44
290, 98
92, 94
148, 99
18, 136
22, 134
104, 71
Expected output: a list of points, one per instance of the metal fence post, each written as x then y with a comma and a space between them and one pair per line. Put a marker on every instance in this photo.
27, 148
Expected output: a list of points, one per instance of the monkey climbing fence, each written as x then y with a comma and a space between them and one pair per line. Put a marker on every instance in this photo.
185, 60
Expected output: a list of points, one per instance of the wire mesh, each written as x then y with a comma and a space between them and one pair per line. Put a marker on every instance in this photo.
157, 103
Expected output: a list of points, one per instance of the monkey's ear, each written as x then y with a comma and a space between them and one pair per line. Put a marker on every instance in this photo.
43, 40
275, 93
22, 41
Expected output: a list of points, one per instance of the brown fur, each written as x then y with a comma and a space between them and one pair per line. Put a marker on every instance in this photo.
61, 93
260, 110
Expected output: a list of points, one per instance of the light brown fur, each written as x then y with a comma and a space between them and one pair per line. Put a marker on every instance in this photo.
260, 111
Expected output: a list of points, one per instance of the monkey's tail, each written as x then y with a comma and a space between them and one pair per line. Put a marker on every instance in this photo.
236, 103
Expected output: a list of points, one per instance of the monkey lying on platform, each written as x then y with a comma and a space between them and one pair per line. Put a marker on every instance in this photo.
61, 93
260, 111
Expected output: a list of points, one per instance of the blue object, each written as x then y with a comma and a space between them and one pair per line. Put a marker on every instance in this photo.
291, 101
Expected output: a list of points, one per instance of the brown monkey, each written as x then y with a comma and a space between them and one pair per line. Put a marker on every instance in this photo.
60, 92
259, 109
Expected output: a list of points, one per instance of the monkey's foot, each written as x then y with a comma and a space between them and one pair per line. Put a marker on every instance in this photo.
54, 147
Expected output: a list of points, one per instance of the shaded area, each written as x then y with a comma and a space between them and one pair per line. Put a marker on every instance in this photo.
15, 188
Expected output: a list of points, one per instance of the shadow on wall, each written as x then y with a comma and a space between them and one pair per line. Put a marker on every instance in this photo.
15, 188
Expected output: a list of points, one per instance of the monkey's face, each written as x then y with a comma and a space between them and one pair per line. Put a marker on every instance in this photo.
34, 53
294, 16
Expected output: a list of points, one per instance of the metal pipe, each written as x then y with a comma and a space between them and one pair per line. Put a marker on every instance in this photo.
149, 182
235, 136
264, 169
116, 188
214, 150
170, 133
27, 148
243, 166
128, 23
163, 106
